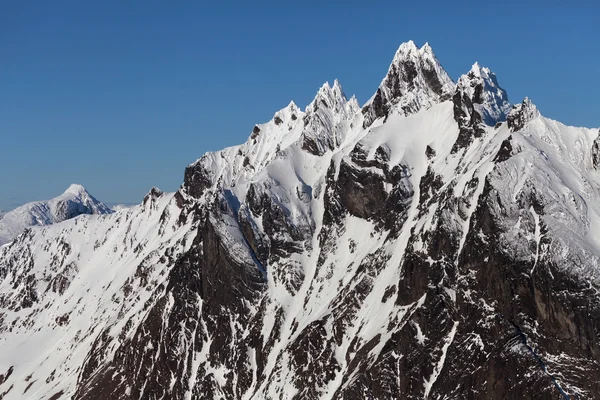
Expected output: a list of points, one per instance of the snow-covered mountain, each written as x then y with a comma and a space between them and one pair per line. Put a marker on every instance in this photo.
435, 243
73, 202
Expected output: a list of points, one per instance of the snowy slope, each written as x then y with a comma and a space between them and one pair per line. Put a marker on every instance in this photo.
120, 207
435, 243
73, 202
81, 280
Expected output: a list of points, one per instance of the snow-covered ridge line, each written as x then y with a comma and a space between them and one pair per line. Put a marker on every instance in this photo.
339, 253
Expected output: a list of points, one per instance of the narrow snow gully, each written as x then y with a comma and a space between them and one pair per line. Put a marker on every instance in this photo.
523, 338
428, 383
537, 237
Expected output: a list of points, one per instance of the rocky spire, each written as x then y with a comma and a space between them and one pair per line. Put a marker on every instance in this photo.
415, 80
488, 98
325, 117
521, 114
478, 101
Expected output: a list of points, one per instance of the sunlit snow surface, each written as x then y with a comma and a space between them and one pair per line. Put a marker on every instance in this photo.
74, 201
99, 255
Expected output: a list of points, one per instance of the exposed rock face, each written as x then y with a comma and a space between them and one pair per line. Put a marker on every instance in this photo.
490, 100
415, 81
421, 257
478, 100
327, 119
596, 152
197, 178
521, 114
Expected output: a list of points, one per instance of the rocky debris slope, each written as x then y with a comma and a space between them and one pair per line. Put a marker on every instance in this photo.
72, 203
439, 244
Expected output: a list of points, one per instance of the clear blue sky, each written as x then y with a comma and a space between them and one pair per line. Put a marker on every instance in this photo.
121, 95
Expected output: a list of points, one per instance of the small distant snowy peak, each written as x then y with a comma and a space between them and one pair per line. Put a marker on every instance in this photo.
76, 190
77, 194
521, 114
75, 201
353, 104
327, 118
488, 98
415, 81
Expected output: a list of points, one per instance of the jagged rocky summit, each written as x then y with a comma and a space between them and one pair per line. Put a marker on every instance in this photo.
435, 243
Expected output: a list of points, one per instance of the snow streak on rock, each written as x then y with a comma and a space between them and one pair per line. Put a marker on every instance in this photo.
436, 243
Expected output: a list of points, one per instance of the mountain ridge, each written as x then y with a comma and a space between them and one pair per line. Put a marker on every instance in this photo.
411, 248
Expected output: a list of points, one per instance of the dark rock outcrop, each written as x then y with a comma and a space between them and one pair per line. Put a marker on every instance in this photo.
521, 114
596, 152
197, 179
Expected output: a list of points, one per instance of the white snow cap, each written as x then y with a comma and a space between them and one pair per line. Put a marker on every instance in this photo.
477, 70
410, 49
292, 106
75, 189
74, 201
333, 96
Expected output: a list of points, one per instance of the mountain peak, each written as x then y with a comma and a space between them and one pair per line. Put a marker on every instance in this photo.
74, 201
415, 80
332, 97
292, 106
483, 72
489, 99
324, 118
337, 88
410, 49
152, 195
475, 69
291, 111
75, 189
407, 47
521, 114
